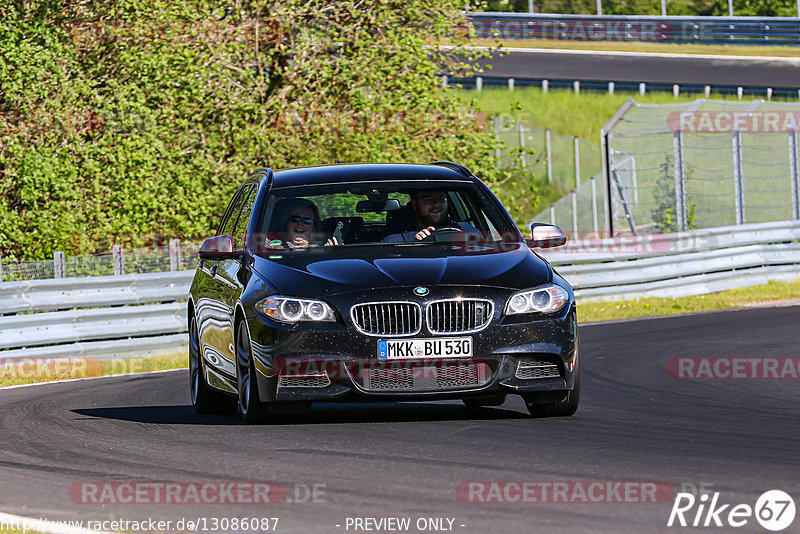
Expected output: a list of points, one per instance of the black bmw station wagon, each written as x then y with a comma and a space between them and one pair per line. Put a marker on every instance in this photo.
377, 282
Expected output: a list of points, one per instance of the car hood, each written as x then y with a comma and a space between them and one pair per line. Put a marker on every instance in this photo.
325, 272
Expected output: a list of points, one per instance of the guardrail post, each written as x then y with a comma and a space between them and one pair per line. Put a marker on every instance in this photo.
174, 254
577, 163
594, 206
522, 145
549, 156
59, 269
574, 198
795, 175
117, 257
497, 151
680, 180
738, 189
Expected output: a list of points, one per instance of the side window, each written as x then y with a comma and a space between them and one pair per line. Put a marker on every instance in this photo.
233, 215
249, 196
230, 212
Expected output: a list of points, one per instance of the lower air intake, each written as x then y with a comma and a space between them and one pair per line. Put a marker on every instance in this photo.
532, 369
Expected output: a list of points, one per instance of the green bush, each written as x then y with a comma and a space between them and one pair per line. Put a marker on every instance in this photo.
133, 120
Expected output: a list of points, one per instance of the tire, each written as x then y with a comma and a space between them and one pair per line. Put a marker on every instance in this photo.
204, 399
488, 400
564, 408
251, 409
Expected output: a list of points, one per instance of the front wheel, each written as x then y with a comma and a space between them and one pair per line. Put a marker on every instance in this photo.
251, 408
204, 399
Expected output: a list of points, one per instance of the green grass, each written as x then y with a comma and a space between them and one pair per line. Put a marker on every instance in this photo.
732, 298
663, 48
579, 115
78, 367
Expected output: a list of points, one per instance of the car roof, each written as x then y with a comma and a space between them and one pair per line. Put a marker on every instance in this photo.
370, 172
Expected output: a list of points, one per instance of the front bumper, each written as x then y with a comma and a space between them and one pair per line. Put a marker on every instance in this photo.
334, 362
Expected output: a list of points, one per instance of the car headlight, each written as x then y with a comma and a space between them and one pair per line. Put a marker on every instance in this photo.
545, 299
294, 310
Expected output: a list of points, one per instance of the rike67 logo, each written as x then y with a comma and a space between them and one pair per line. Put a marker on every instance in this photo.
774, 510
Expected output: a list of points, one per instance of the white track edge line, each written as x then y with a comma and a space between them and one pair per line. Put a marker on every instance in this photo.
773, 59
65, 380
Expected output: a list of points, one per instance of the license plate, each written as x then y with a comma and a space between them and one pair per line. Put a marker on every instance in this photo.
441, 347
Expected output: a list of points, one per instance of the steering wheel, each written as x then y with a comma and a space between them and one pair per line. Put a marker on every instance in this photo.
443, 234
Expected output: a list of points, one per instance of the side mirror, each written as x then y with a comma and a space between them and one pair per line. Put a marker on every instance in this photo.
217, 248
546, 236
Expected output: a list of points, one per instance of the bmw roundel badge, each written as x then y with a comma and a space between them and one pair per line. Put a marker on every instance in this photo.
421, 291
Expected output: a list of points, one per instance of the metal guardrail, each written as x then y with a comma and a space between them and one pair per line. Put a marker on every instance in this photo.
782, 31
136, 315
57, 294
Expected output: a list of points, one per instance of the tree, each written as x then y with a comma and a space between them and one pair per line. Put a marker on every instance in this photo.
133, 120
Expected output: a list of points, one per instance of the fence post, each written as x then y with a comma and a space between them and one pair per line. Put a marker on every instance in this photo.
663, 8
1, 267
530, 6
522, 145
594, 206
737, 177
574, 214
497, 151
59, 269
795, 174
117, 257
599, 8
549, 156
680, 180
577, 149
174, 254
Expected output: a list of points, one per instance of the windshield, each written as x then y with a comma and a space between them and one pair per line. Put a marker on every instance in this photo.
380, 214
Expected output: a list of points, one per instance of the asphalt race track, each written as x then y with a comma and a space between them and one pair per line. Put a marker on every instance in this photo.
635, 423
648, 68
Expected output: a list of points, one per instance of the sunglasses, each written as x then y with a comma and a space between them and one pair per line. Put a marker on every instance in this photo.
297, 219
